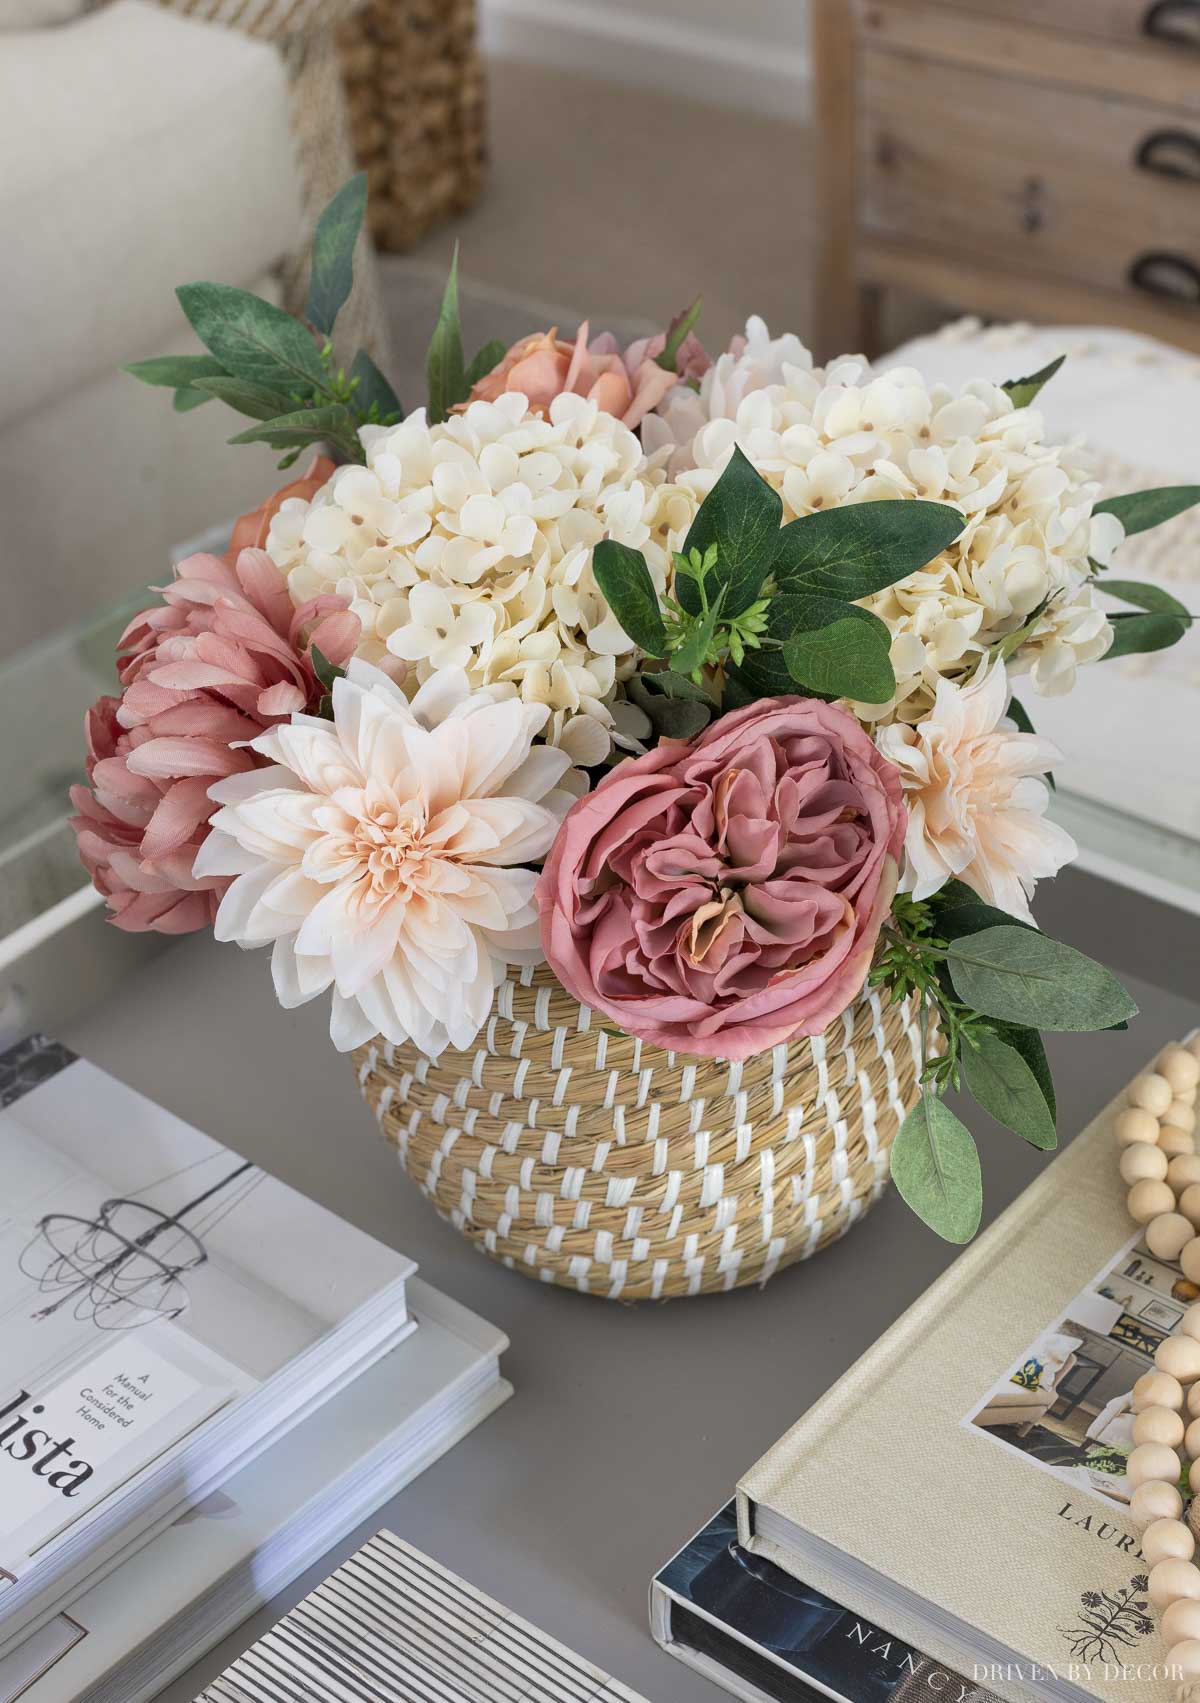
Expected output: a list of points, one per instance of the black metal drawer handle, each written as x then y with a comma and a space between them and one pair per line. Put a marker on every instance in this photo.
1171, 275
1176, 22
1170, 153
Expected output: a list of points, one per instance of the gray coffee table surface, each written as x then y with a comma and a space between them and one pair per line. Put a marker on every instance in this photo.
629, 1426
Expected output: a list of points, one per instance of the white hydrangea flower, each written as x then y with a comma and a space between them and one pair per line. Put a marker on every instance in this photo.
848, 434
469, 545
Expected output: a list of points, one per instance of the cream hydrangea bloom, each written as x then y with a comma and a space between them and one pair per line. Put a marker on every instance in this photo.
384, 853
848, 434
469, 545
976, 795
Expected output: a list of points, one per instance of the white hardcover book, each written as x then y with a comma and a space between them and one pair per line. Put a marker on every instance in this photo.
168, 1604
163, 1316
393, 1624
964, 1485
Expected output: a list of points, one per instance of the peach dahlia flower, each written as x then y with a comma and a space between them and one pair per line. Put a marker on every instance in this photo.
976, 796
381, 855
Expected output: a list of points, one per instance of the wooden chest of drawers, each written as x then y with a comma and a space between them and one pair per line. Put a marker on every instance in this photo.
1025, 159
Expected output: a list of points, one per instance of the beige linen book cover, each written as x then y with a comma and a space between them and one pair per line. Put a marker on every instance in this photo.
975, 1455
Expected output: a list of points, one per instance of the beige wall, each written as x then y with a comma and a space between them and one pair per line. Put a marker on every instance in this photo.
752, 56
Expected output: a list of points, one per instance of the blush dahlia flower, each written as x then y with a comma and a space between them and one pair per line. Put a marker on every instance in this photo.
221, 658
380, 854
977, 796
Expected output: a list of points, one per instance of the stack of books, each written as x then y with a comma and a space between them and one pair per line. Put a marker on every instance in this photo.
392, 1626
952, 1519
206, 1380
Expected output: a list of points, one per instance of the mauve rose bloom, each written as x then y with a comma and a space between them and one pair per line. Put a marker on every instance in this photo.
224, 656
723, 895
628, 386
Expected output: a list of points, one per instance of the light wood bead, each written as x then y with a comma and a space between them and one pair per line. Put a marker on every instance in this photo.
1142, 1161
1157, 1389
1150, 1462
1175, 1143
1193, 1403
1168, 1235
1189, 1201
1155, 1500
1189, 1324
1152, 1092
1180, 1067
1180, 1621
1160, 1425
1135, 1125
1180, 1115
1179, 1355
1149, 1199
1189, 1260
1167, 1540
1193, 1046
1193, 1477
1183, 1171
1184, 1658
1172, 1579
1191, 1440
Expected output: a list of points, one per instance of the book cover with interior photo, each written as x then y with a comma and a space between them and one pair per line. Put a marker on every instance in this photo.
770, 1638
166, 1307
964, 1484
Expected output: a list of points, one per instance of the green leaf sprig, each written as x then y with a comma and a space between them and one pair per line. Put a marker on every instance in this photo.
280, 371
760, 609
985, 984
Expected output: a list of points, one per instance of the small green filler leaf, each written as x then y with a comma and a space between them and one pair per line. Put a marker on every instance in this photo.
175, 371
252, 338
1005, 1086
741, 516
676, 334
935, 1167
373, 390
1138, 511
1019, 976
843, 660
854, 551
1023, 391
484, 362
332, 275
445, 372
626, 586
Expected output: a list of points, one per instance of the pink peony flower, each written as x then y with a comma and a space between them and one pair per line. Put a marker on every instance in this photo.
724, 895
628, 386
224, 656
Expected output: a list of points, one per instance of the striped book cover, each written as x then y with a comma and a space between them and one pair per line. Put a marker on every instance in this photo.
391, 1626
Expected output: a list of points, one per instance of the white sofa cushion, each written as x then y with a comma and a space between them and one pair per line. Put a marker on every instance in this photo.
37, 14
141, 150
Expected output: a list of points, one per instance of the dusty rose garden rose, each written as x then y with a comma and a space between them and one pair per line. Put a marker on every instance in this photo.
628, 386
221, 658
726, 894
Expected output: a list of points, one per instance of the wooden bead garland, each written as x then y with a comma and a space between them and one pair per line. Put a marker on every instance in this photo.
1155, 1133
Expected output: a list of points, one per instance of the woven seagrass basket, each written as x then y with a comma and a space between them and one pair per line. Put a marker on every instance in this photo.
586, 1158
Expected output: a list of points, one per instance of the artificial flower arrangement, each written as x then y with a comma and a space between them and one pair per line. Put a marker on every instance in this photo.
687, 680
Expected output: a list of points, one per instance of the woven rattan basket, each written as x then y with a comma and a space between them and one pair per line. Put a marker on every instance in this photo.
585, 1158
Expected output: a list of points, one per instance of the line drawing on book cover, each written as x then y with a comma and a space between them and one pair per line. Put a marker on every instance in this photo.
1113, 1622
126, 1265
1065, 1405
